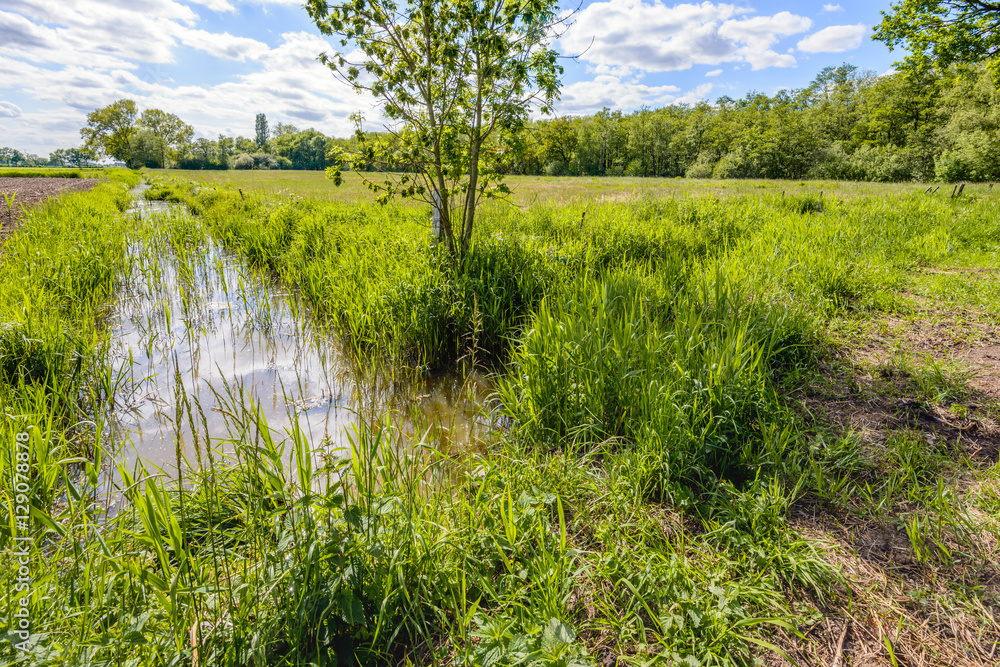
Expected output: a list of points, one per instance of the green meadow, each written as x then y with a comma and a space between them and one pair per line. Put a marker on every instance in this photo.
730, 423
529, 190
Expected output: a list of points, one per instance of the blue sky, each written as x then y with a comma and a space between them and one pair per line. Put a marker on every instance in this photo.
217, 63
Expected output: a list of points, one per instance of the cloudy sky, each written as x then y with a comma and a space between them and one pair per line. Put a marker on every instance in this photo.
217, 63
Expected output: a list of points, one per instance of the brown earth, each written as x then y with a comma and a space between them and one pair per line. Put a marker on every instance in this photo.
30, 192
902, 609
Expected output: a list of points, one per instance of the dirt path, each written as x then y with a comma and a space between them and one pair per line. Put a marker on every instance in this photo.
30, 192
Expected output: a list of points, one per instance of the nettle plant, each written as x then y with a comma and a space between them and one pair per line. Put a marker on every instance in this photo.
456, 79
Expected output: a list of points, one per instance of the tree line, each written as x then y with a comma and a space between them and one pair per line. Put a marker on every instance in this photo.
62, 157
157, 139
847, 124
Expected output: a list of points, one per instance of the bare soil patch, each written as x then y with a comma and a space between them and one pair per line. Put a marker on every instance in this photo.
933, 374
33, 191
986, 360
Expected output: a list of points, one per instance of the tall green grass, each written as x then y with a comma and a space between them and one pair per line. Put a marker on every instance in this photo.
122, 175
39, 172
632, 504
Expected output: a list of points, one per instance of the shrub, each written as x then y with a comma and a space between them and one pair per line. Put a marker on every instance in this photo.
975, 158
265, 161
733, 165
702, 167
887, 164
243, 161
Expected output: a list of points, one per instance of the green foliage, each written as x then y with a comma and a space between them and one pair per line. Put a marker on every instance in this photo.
632, 503
942, 32
846, 125
40, 172
388, 294
166, 133
243, 161
445, 126
976, 157
111, 130
262, 134
688, 388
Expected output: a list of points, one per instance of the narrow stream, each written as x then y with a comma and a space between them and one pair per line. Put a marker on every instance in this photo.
203, 338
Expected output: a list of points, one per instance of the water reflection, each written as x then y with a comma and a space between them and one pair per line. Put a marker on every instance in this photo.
206, 341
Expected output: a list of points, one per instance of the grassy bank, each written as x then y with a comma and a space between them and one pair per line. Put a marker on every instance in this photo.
677, 475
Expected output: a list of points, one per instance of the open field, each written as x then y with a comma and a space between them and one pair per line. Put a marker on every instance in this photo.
21, 193
529, 190
50, 172
727, 423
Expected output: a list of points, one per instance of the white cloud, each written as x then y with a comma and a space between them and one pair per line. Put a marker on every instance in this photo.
9, 110
91, 32
611, 92
68, 57
832, 8
584, 97
222, 45
288, 84
216, 5
758, 34
714, 72
834, 39
609, 70
699, 94
655, 37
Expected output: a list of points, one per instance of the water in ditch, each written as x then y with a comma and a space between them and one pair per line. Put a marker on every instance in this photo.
203, 342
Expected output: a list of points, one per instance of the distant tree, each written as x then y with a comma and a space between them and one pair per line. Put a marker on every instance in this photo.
170, 131
304, 150
58, 157
205, 149
79, 157
558, 145
202, 154
148, 150
262, 133
9, 156
110, 130
227, 146
282, 129
942, 32
451, 76
244, 145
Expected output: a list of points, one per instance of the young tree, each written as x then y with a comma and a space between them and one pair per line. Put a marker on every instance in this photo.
110, 130
451, 75
263, 134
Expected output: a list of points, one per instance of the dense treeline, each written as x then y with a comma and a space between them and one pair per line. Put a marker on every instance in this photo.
846, 124
289, 148
63, 157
